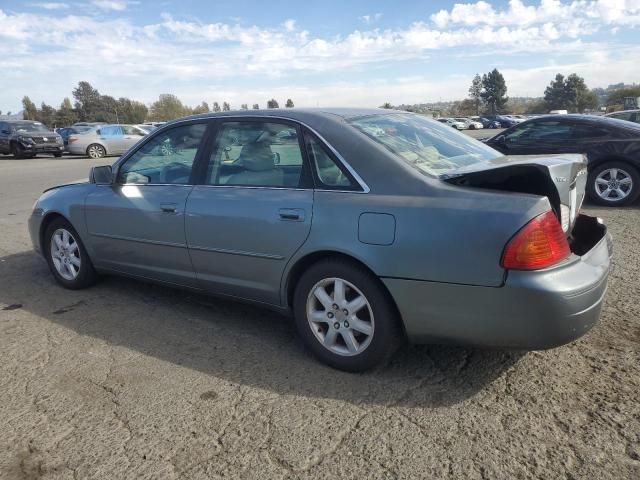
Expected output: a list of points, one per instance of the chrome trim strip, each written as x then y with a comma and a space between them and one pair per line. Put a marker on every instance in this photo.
363, 184
237, 252
138, 240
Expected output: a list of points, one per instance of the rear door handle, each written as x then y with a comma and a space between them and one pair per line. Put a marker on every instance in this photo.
169, 207
291, 214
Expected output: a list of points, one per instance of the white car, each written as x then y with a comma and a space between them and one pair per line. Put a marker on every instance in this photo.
469, 123
453, 123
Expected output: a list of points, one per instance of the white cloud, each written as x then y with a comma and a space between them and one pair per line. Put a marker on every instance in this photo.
368, 19
50, 5
115, 5
147, 59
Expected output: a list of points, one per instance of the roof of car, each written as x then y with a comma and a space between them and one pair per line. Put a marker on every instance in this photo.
593, 119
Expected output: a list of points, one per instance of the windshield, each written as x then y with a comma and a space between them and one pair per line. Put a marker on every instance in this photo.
29, 127
429, 146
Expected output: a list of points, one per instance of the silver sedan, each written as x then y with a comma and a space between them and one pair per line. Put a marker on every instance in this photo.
105, 140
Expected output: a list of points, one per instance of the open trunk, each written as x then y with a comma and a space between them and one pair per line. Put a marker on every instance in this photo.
560, 178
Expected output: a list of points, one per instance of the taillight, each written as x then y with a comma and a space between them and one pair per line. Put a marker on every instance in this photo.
539, 244
71, 139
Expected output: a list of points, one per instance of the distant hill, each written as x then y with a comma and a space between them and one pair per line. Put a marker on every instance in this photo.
13, 116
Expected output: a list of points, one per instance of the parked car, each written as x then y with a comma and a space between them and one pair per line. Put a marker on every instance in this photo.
505, 122
612, 148
628, 115
469, 123
488, 123
453, 123
105, 140
366, 225
26, 139
66, 131
146, 127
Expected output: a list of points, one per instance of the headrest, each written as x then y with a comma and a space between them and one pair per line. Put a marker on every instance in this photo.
257, 157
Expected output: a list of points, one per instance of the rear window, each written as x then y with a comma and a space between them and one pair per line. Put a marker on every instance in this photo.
425, 144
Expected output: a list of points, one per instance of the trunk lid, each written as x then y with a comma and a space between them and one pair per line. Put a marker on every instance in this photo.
560, 178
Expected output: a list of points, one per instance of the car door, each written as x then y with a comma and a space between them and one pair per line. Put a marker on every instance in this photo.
251, 210
538, 137
136, 225
112, 137
132, 135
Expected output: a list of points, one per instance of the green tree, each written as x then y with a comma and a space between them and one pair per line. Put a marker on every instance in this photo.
226, 107
131, 111
65, 115
88, 101
216, 107
30, 111
167, 107
289, 103
47, 115
494, 91
244, 106
475, 92
256, 106
202, 108
273, 103
555, 95
386, 105
617, 96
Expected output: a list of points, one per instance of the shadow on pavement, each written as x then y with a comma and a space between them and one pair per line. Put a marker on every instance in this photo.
240, 343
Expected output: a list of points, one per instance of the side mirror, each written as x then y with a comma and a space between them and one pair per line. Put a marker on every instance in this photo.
500, 140
102, 175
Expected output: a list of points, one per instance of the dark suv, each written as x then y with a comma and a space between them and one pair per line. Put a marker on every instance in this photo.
25, 139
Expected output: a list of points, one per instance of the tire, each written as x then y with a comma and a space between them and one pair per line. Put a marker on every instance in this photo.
57, 155
601, 185
95, 150
373, 334
58, 255
18, 151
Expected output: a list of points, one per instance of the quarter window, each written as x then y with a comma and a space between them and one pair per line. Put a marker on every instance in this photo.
253, 153
328, 172
167, 158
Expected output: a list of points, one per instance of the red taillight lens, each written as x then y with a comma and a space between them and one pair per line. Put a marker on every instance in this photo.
539, 244
71, 139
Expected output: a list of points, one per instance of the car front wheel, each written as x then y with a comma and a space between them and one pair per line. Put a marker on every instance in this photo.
67, 258
345, 316
614, 184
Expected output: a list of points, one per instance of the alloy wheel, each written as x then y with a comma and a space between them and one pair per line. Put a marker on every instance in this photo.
65, 254
340, 316
613, 184
96, 151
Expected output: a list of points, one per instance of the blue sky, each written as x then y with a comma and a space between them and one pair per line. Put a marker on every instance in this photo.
358, 52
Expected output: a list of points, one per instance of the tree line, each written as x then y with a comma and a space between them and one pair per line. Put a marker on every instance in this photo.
91, 106
488, 96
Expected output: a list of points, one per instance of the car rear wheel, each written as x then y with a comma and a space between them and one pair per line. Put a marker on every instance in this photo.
345, 316
614, 184
96, 151
67, 258
57, 155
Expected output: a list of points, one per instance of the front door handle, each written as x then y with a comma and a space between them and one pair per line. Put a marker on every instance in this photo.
291, 214
169, 207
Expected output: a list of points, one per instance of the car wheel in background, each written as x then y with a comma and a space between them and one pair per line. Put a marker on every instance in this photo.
67, 258
345, 316
614, 184
96, 150
57, 155
18, 151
